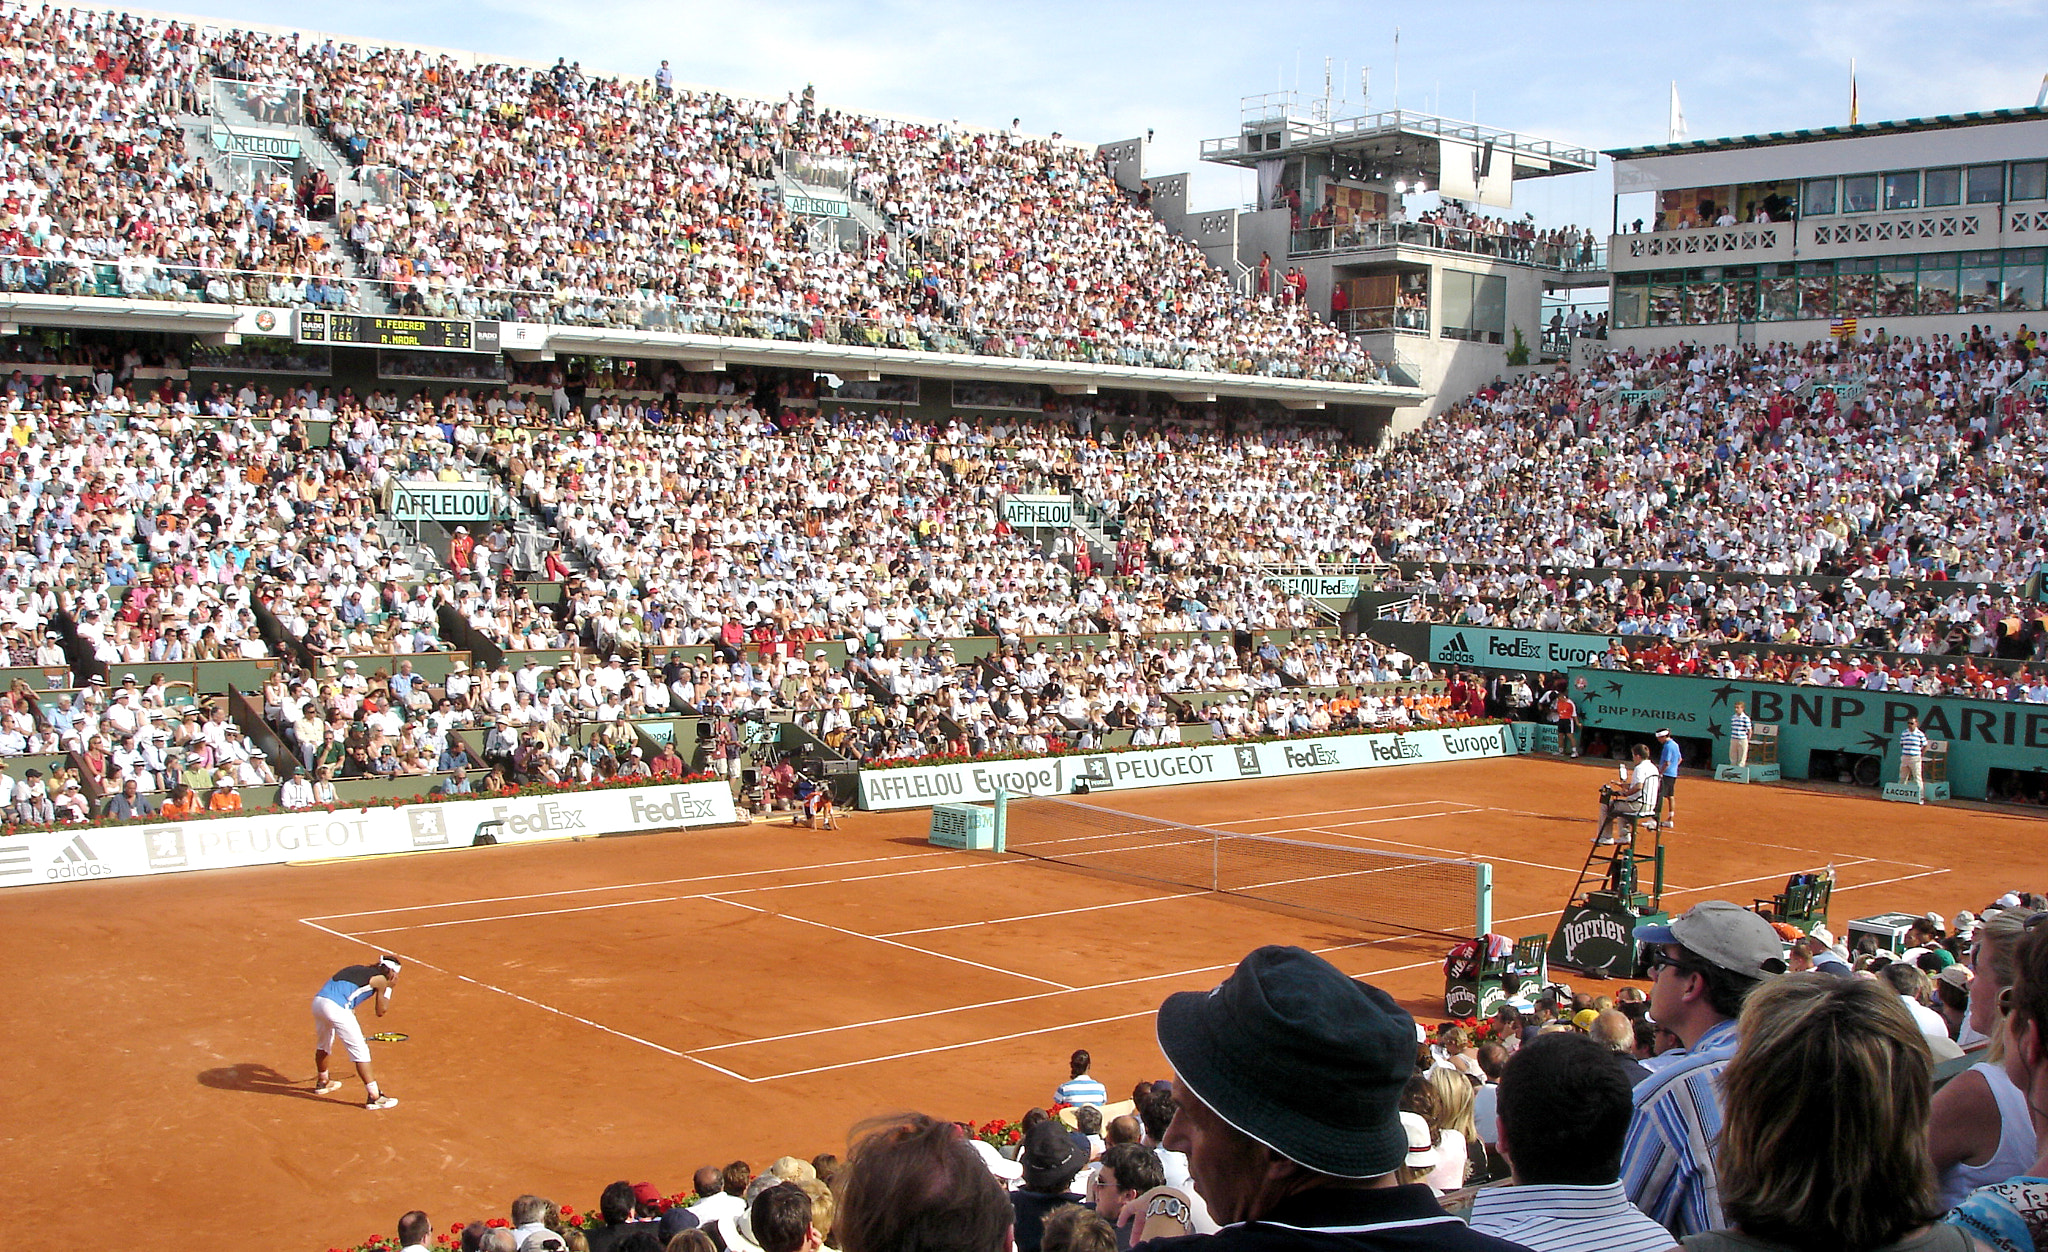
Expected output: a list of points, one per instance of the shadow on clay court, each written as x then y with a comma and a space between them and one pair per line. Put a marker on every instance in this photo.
258, 1079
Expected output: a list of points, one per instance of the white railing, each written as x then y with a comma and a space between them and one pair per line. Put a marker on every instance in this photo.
1955, 224
1707, 241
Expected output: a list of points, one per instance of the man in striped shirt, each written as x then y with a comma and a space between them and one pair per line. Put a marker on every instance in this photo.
1564, 1112
1738, 735
1705, 961
1912, 750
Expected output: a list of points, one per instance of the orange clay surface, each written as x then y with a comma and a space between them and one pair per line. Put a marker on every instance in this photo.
636, 1007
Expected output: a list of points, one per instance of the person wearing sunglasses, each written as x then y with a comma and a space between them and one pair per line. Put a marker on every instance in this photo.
1703, 963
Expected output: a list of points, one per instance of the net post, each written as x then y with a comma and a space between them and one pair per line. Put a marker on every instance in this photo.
1002, 820
1484, 910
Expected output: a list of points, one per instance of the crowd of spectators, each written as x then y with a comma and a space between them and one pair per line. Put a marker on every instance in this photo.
1034, 700
553, 195
98, 173
1957, 620
1771, 1089
868, 528
688, 534
1567, 247
701, 530
1877, 457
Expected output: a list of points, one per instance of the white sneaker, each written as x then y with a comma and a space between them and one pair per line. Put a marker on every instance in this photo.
331, 1085
382, 1102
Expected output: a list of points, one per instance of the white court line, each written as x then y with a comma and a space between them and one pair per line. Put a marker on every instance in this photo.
1363, 808
949, 1047
1031, 917
901, 873
855, 934
1886, 882
509, 917
625, 886
1021, 1034
1708, 834
1036, 995
1377, 821
549, 1008
1775, 877
701, 895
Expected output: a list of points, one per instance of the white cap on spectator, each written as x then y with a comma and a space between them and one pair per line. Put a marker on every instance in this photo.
1006, 1171
1422, 1153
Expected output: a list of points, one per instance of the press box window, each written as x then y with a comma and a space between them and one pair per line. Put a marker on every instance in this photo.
1984, 184
2029, 180
1944, 187
1859, 193
1817, 199
1902, 190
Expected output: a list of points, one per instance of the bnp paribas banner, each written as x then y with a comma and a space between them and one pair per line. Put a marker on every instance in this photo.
1485, 647
1982, 735
919, 786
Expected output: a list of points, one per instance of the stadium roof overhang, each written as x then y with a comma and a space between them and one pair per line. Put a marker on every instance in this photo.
530, 341
1398, 143
1777, 138
21, 309
220, 323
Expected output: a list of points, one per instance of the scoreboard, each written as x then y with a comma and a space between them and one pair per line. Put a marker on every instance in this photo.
427, 334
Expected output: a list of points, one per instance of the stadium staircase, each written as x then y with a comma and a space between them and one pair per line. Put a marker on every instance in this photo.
1326, 615
319, 153
863, 214
1844, 388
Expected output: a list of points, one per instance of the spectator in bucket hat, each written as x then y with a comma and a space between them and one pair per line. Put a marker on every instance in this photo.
1288, 1082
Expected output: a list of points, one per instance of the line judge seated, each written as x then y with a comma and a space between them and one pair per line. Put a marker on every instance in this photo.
1287, 1081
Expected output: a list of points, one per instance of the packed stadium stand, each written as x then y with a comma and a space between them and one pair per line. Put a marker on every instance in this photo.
552, 196
219, 593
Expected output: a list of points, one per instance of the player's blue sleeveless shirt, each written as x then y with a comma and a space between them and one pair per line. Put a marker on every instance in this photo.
350, 987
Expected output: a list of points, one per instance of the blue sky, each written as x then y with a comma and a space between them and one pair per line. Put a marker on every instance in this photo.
1593, 74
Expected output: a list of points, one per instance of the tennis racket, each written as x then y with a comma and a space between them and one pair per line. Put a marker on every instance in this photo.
387, 1036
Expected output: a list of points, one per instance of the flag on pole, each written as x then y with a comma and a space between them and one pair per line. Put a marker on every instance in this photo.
1677, 114
1853, 110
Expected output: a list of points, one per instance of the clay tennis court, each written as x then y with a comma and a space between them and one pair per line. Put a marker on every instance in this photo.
636, 1007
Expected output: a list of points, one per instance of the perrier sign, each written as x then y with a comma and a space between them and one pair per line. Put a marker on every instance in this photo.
1982, 735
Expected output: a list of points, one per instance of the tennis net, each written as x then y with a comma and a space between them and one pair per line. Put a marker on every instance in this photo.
1379, 890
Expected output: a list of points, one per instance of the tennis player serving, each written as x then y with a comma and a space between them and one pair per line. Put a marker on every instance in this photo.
334, 1016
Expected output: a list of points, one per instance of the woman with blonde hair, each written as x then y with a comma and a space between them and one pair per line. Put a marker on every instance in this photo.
1457, 1132
1457, 1044
1823, 1144
1981, 1133
1423, 1098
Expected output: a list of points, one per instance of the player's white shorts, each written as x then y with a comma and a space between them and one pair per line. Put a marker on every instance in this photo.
331, 1021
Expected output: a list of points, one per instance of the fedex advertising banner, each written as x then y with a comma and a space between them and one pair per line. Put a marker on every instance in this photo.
918, 786
273, 838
